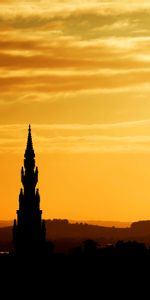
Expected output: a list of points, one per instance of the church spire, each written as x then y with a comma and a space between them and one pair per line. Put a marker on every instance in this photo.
28, 229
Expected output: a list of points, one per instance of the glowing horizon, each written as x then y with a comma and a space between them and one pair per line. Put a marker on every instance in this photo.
79, 72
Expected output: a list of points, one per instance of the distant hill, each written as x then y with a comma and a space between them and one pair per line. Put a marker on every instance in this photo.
104, 223
66, 235
5, 223
141, 226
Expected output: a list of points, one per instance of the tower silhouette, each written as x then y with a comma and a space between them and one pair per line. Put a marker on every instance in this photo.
29, 229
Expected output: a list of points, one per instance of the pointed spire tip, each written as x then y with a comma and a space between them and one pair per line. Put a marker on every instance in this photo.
29, 148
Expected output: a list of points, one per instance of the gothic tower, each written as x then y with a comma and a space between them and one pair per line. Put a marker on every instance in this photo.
29, 228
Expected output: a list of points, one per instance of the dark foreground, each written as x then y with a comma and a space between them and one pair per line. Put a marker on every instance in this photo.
121, 272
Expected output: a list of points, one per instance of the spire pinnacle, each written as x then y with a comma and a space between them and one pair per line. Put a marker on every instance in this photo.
29, 148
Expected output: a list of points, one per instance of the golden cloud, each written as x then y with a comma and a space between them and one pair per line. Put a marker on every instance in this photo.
51, 138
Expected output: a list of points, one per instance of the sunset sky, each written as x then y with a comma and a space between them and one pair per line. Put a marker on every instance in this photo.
79, 73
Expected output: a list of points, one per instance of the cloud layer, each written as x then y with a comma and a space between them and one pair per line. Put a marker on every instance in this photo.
77, 62
63, 47
127, 137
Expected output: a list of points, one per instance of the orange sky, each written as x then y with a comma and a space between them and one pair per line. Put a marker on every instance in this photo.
79, 72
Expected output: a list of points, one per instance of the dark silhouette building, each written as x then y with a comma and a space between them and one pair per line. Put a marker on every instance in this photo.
29, 229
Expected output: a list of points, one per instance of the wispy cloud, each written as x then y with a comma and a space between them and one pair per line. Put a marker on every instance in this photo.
77, 138
22, 128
